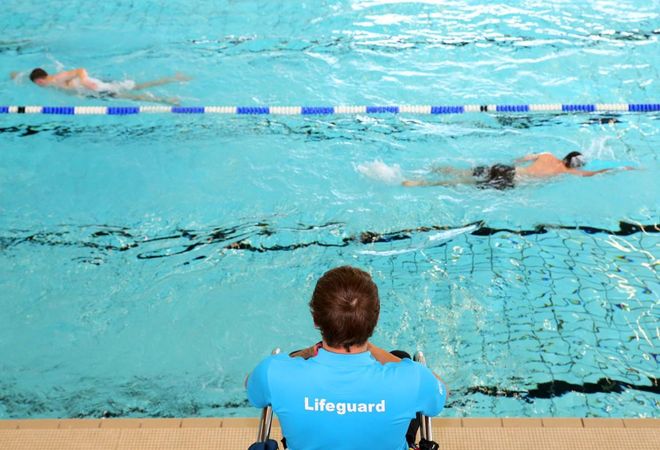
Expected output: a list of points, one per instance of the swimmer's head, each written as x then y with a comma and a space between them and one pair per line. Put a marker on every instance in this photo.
38, 76
574, 160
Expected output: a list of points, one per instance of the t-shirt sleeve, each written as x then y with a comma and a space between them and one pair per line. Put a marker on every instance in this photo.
432, 393
258, 389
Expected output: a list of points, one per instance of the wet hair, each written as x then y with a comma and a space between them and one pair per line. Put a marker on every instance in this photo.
573, 160
345, 306
37, 74
500, 176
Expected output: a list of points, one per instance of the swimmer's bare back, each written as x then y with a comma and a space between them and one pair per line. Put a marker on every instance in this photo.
546, 165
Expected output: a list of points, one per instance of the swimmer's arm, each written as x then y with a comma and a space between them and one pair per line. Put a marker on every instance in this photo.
590, 173
69, 75
586, 173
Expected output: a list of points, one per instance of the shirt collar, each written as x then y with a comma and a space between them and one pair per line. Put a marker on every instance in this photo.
359, 359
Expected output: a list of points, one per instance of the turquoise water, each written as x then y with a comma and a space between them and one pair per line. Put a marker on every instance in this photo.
148, 263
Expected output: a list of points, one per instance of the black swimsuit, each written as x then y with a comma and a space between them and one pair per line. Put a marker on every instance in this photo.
498, 176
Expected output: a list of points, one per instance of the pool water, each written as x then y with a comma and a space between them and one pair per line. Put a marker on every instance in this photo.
148, 263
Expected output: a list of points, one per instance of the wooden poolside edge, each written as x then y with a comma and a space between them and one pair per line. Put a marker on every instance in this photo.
249, 422
239, 433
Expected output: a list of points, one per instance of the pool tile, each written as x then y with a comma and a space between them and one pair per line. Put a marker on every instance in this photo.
482, 422
38, 424
242, 422
80, 423
160, 423
59, 439
641, 423
120, 423
515, 422
446, 423
562, 422
8, 425
183, 439
240, 437
590, 422
201, 422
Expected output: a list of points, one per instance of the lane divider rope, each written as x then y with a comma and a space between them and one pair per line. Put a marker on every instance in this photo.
333, 110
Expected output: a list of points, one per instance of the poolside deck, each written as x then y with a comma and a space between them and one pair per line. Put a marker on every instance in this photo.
234, 434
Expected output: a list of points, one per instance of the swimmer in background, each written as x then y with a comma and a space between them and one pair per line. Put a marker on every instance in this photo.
503, 176
79, 81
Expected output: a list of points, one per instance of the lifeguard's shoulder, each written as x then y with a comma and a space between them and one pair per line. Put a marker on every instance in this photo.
283, 360
407, 368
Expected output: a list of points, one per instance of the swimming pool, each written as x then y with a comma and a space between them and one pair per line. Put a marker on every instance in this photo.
149, 262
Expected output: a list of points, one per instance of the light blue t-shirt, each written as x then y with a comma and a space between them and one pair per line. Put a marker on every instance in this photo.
344, 401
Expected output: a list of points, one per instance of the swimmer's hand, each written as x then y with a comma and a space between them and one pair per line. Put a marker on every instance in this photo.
13, 75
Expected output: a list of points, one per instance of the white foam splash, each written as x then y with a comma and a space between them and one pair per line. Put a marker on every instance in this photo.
18, 76
598, 149
113, 86
379, 171
59, 66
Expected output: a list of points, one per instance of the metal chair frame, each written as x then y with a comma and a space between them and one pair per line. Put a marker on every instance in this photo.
425, 429
266, 421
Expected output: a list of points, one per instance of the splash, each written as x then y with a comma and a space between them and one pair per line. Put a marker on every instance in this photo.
59, 66
113, 86
18, 76
598, 149
378, 170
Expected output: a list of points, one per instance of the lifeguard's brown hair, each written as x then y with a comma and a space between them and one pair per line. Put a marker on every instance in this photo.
345, 306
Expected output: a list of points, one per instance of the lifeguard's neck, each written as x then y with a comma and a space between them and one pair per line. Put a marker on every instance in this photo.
353, 349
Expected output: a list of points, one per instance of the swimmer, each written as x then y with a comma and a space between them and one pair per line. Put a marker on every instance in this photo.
78, 80
504, 176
